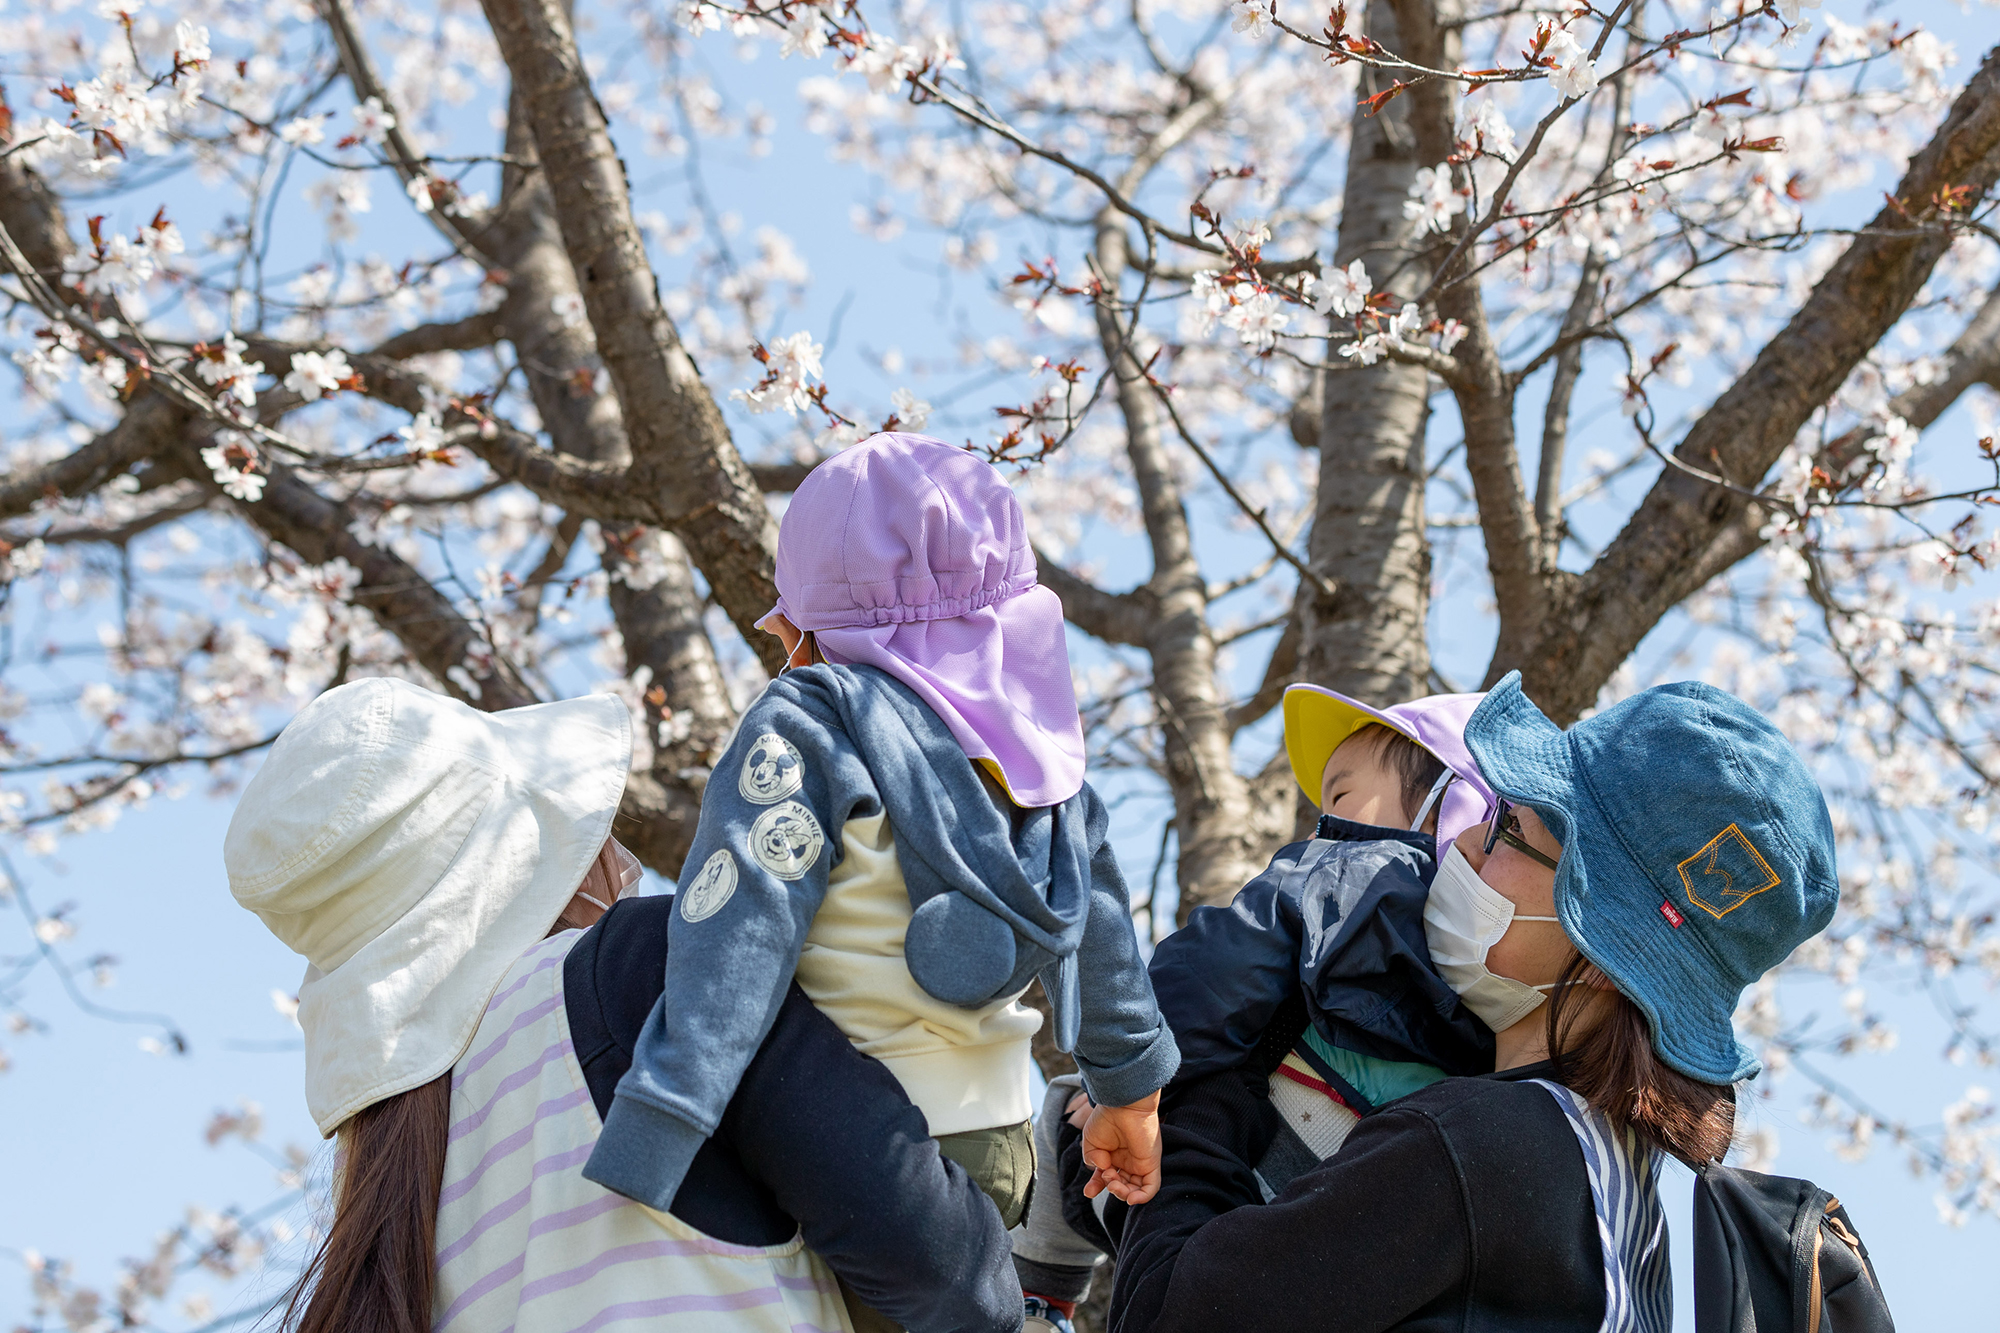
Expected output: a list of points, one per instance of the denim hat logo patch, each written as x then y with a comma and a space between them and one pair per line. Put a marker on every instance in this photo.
1727, 873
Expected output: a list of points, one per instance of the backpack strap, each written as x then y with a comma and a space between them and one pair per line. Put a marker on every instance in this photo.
1776, 1254
1631, 1226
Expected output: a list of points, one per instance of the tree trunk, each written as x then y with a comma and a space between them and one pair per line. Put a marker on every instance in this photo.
660, 623
1211, 800
1367, 638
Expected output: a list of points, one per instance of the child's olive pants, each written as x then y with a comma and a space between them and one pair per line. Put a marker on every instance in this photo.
1000, 1161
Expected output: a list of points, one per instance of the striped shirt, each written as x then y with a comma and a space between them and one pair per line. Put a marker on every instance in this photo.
1631, 1226
527, 1245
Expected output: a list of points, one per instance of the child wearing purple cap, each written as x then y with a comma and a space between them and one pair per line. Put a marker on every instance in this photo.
902, 823
1332, 943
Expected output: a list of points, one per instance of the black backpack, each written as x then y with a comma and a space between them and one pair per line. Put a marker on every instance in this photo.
1777, 1255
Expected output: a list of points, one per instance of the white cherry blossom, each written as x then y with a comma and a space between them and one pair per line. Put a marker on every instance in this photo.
316, 373
372, 122
1345, 291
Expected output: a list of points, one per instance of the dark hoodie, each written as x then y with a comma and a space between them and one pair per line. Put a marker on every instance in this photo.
997, 901
819, 1142
1341, 919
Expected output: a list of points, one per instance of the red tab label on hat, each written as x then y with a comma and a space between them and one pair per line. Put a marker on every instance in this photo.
1674, 919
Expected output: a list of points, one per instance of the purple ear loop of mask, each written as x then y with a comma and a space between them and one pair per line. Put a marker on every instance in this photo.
628, 870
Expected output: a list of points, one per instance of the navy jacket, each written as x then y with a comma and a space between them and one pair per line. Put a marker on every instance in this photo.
997, 901
1341, 918
819, 1141
1462, 1208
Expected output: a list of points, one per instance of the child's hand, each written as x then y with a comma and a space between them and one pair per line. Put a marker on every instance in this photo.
1121, 1145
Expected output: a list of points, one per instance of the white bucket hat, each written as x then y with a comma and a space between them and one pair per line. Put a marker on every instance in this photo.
410, 848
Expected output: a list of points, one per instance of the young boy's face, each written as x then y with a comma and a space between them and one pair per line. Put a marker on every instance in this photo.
1358, 785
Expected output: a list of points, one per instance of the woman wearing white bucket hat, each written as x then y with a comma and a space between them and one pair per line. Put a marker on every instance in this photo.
432, 863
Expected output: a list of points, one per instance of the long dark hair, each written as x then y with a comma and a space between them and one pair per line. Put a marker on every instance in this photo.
1614, 1068
377, 1268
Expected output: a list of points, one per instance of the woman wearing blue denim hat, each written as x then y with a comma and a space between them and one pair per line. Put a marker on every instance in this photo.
1640, 869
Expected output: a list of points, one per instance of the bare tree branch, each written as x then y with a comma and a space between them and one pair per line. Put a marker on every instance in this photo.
1281, 670
398, 595
554, 557
1549, 523
1307, 574
1115, 617
85, 534
459, 335
682, 456
409, 164
781, 478
148, 427
1663, 552
1441, 364
1974, 358
31, 213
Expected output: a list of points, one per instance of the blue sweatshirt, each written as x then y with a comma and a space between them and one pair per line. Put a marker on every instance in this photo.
997, 902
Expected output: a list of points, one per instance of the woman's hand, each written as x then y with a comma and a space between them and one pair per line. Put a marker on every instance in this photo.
1121, 1145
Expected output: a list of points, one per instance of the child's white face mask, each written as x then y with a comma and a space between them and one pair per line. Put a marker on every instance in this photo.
1463, 919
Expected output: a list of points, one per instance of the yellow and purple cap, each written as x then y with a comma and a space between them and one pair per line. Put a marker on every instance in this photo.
1317, 720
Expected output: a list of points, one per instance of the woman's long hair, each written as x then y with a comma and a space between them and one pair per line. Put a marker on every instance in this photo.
377, 1268
1614, 1068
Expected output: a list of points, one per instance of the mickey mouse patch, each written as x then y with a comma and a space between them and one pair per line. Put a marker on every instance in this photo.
771, 771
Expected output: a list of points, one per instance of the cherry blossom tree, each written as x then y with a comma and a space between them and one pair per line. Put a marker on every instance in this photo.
1270, 297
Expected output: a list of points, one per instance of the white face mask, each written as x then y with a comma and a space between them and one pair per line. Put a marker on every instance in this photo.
1464, 917
615, 881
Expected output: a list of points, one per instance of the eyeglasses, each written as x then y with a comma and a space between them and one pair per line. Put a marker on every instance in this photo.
1505, 826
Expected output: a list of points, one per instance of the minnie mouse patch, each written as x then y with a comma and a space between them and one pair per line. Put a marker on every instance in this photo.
786, 840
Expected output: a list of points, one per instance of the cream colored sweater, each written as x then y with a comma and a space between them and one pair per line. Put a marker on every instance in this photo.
964, 1068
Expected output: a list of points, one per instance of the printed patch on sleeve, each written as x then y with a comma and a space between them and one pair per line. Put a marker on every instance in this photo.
710, 889
786, 840
1727, 873
771, 771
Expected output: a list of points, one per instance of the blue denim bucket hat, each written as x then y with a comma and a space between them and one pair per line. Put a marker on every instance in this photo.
1697, 851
